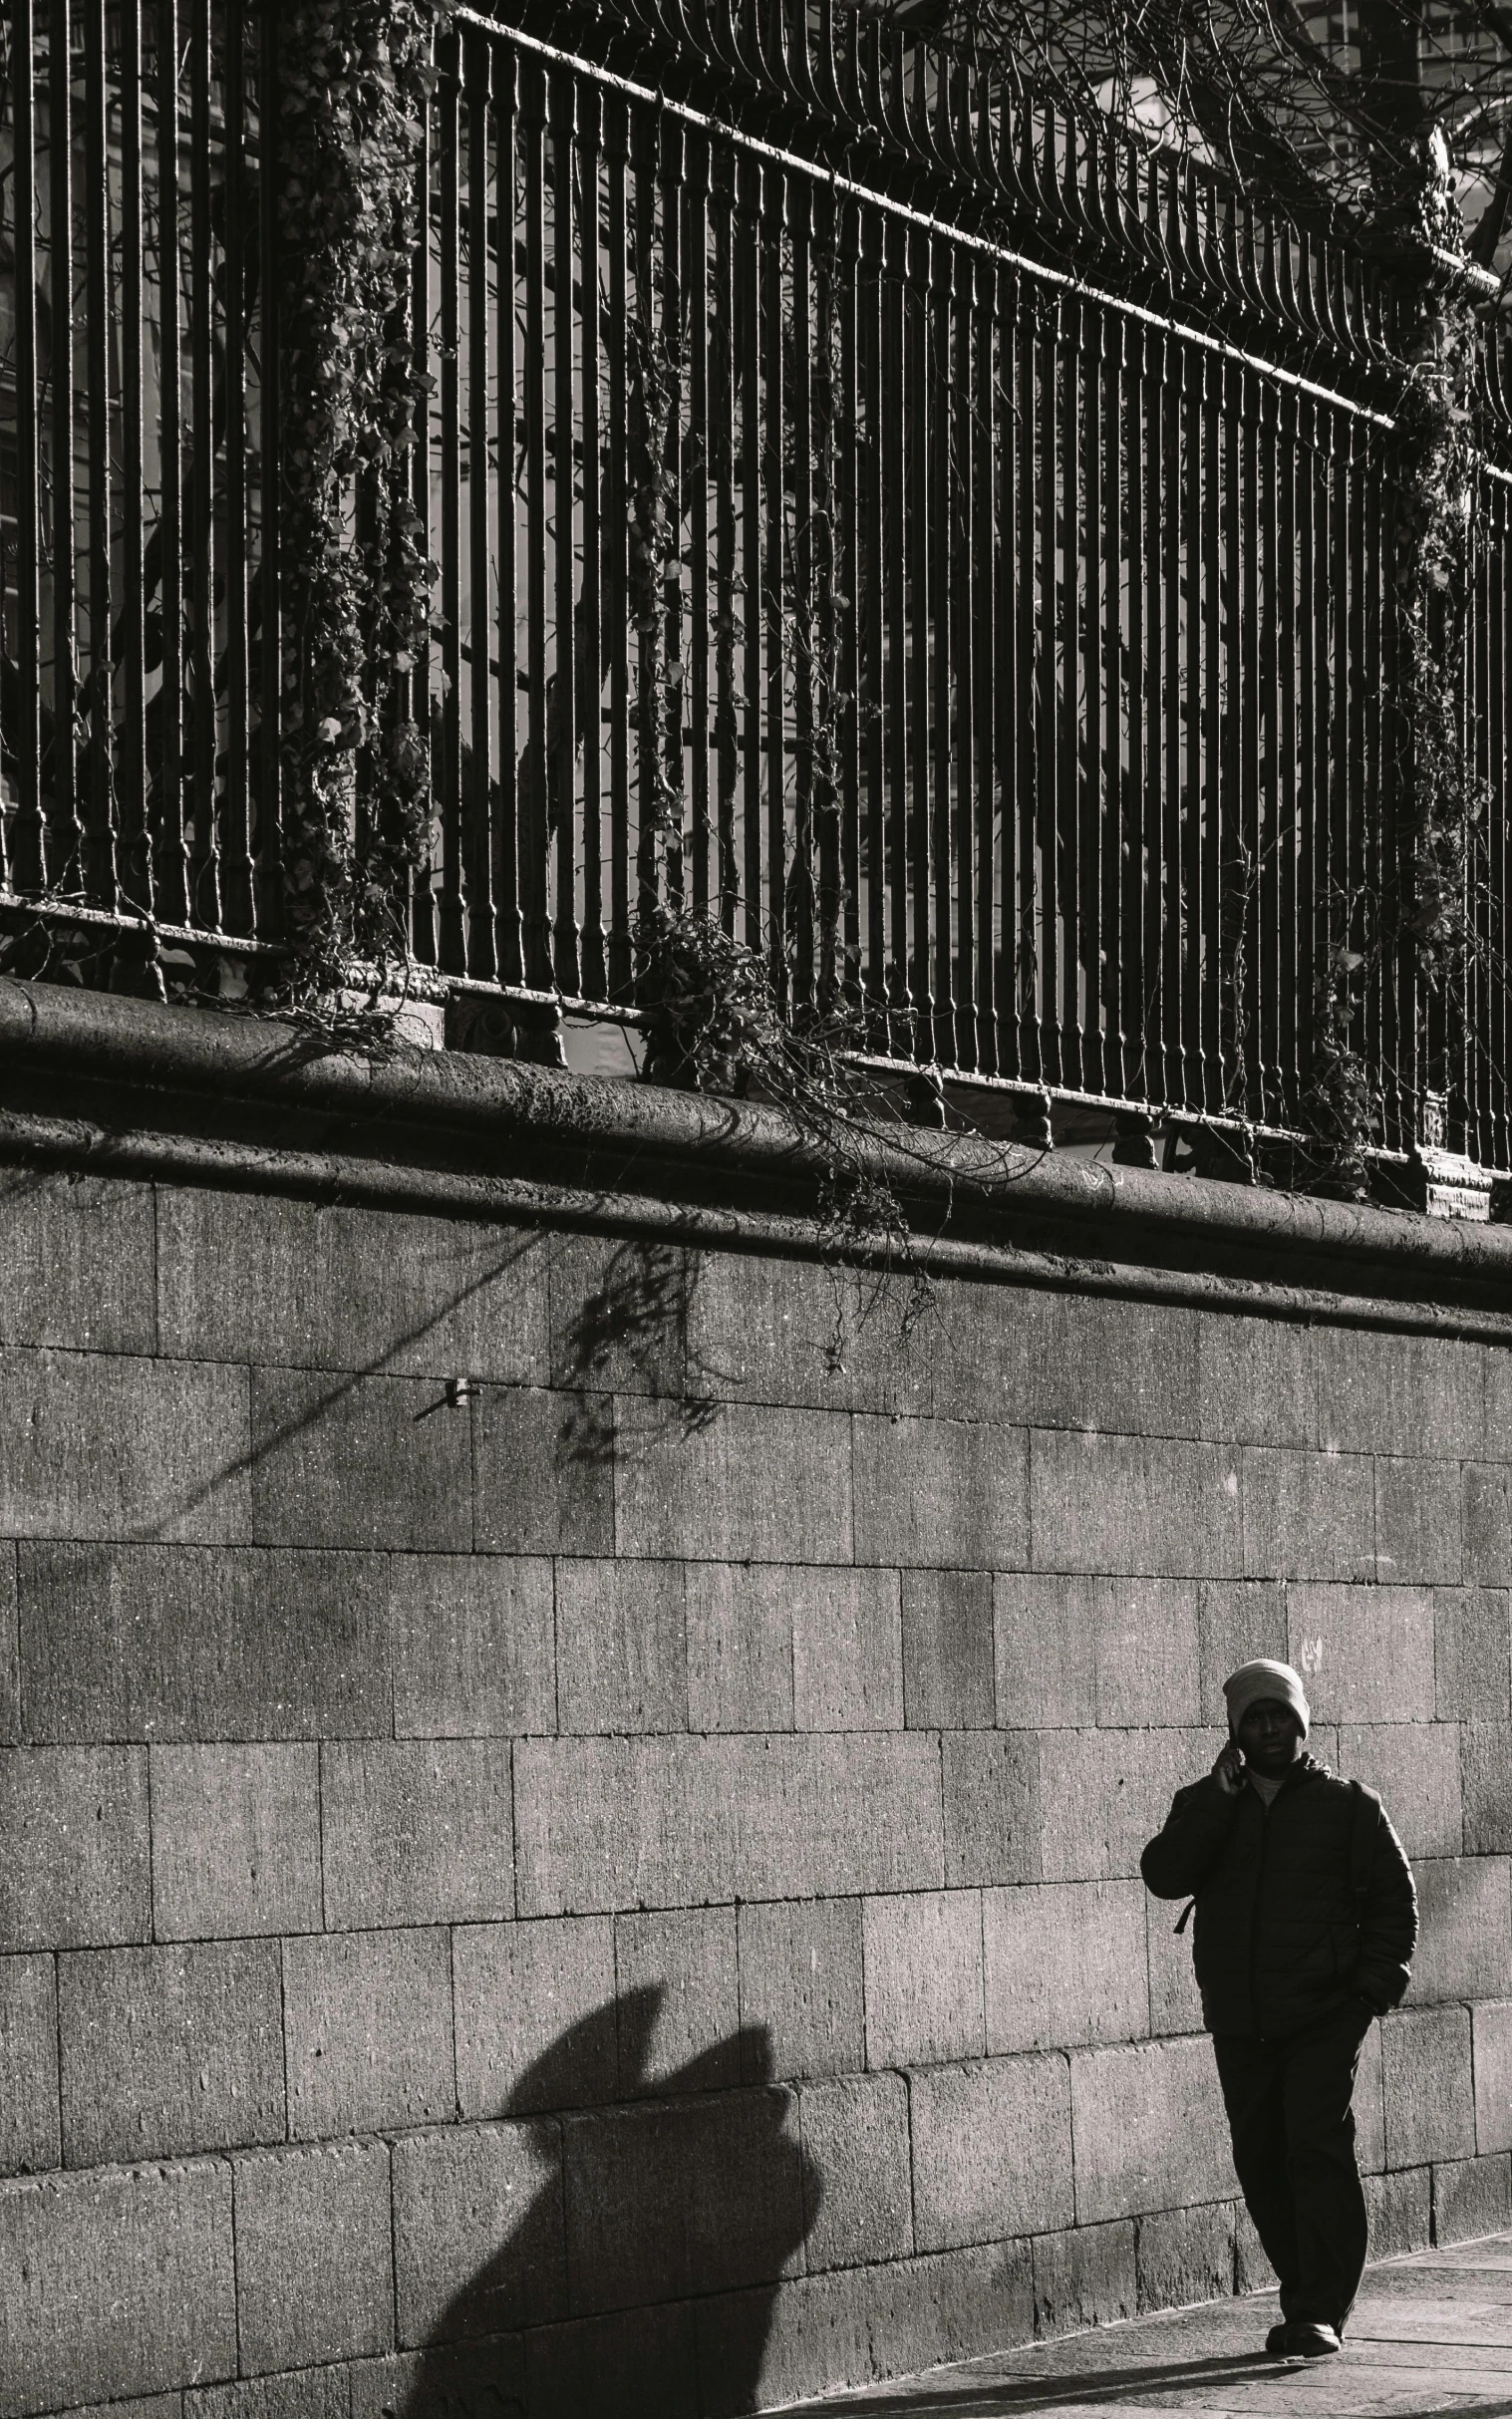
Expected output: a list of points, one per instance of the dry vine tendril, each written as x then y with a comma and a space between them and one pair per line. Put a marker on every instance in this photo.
355, 79
713, 1023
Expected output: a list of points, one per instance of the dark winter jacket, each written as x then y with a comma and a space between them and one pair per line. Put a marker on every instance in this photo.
1299, 1908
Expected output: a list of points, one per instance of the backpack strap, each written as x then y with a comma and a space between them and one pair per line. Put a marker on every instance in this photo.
1363, 1837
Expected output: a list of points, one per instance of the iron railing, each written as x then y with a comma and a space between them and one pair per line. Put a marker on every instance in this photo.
956, 554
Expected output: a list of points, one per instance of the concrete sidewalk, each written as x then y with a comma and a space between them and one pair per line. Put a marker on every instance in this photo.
1432, 2332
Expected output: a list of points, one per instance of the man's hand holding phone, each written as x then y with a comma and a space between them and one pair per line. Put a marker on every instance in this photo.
1228, 1771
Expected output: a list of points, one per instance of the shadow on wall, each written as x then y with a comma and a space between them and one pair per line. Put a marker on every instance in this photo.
637, 1319
698, 2189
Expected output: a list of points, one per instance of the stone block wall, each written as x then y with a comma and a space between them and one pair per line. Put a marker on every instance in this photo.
613, 1884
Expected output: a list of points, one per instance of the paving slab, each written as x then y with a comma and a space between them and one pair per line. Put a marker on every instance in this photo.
1432, 2333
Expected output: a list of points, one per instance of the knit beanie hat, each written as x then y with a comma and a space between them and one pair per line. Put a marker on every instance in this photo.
1252, 1682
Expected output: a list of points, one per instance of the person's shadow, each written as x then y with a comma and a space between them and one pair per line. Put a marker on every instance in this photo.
641, 2279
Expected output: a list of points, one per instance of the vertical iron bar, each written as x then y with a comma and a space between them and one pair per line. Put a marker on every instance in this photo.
1157, 909
1183, 577
452, 953
1013, 485
1221, 720
1480, 1104
62, 868
1066, 832
985, 437
1284, 966
897, 533
561, 770
643, 495
1368, 673
728, 609
1094, 778
171, 851
1244, 664
1477, 711
1498, 1144
996, 714
960, 692
801, 893
1114, 728
267, 804
922, 517
204, 556
594, 972
748, 332
824, 802
1499, 906
695, 472
1210, 792
616, 542
504, 850
847, 572
1354, 837
1137, 1063
1049, 615
98, 871
722, 465
477, 792
846, 576
872, 575
1339, 878
130, 761
938, 632
1310, 716
423, 935
535, 802
1448, 992
1030, 685
646, 440
931, 432
1412, 1073
667, 193
1395, 964
773, 583
25, 868
1320, 769
232, 673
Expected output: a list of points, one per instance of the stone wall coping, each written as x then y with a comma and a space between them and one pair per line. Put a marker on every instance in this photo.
209, 1096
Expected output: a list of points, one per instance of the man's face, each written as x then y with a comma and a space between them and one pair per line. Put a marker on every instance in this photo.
1270, 1735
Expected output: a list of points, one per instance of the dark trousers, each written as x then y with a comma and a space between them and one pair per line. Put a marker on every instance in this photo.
1289, 2111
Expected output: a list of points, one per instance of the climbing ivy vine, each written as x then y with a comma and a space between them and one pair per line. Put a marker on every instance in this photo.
1426, 918
1436, 428
355, 78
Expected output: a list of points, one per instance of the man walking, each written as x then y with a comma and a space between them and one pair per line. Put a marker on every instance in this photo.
1306, 1920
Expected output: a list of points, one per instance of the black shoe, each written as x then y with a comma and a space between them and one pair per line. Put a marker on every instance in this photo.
1311, 2339
1276, 2342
